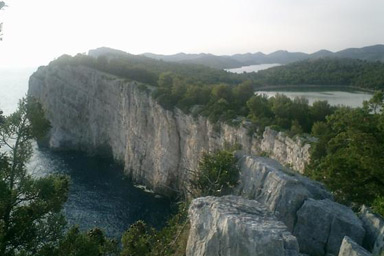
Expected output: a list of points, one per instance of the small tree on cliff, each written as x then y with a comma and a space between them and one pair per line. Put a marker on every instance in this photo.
217, 174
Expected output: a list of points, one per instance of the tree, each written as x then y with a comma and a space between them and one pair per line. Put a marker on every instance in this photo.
2, 4
348, 155
281, 108
138, 240
92, 243
259, 110
217, 174
30, 217
319, 110
375, 104
31, 222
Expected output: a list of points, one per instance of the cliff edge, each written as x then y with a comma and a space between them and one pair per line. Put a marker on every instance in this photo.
99, 113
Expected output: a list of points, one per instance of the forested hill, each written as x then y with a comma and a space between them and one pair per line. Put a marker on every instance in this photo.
369, 53
324, 71
147, 70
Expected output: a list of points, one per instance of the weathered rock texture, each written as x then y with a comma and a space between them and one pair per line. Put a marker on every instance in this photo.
231, 225
280, 189
374, 225
350, 248
96, 112
302, 204
322, 224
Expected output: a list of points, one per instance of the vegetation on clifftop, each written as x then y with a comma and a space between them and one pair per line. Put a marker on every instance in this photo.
216, 175
326, 71
348, 157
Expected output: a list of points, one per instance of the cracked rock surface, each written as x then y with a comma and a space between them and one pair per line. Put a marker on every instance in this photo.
232, 225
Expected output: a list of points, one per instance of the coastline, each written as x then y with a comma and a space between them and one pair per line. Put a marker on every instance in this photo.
311, 86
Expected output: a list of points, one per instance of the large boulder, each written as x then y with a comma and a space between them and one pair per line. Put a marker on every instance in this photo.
350, 248
231, 225
322, 224
374, 225
281, 190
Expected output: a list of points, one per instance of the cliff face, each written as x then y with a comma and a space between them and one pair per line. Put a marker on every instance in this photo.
96, 112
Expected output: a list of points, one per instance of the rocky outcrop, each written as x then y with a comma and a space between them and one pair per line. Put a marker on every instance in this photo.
303, 205
350, 248
322, 224
374, 225
231, 225
276, 186
99, 113
286, 150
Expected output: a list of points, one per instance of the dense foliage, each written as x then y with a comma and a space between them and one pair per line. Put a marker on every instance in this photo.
226, 97
326, 71
31, 222
142, 240
146, 70
217, 174
29, 207
348, 157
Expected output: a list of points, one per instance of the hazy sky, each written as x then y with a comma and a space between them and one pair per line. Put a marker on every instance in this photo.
37, 31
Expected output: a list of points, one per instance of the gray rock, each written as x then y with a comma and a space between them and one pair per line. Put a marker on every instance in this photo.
322, 224
281, 190
291, 151
350, 248
97, 113
231, 225
374, 225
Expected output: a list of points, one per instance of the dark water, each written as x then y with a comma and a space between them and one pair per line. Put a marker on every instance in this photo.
100, 195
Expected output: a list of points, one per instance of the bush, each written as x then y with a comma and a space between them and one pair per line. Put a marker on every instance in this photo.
142, 240
217, 174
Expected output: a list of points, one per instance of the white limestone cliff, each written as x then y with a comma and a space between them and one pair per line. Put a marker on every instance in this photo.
97, 112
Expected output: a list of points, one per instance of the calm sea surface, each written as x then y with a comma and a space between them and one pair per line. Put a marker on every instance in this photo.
351, 98
252, 68
100, 195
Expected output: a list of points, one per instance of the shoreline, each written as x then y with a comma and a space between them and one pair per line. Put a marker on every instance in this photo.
311, 86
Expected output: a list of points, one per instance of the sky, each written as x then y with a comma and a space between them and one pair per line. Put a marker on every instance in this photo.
35, 32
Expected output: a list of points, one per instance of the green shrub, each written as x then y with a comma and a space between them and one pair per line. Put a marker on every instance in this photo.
217, 174
171, 240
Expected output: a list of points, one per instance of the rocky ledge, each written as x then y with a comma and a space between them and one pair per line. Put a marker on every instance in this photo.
231, 225
303, 207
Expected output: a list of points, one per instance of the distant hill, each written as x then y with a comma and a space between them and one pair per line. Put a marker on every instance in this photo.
369, 53
105, 51
320, 68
